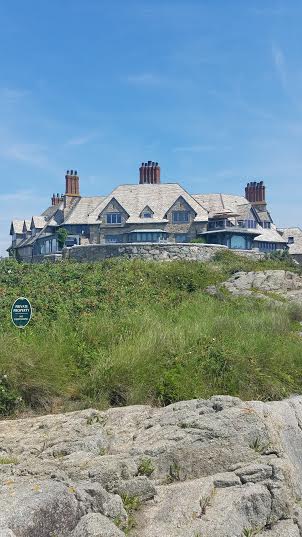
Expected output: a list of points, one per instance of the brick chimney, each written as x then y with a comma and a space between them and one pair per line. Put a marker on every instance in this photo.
72, 189
255, 193
56, 199
149, 173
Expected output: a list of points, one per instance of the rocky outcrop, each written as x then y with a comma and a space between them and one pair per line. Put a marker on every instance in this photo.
215, 468
264, 284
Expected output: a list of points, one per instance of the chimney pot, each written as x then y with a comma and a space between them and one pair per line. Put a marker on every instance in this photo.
149, 173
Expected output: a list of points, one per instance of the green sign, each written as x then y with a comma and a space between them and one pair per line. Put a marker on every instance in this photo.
21, 312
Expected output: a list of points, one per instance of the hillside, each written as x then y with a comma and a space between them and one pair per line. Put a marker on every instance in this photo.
127, 332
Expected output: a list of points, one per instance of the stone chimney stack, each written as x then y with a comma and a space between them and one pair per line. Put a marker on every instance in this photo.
72, 188
149, 173
255, 193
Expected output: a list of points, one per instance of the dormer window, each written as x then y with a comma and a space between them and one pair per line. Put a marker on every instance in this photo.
113, 218
291, 240
266, 225
146, 212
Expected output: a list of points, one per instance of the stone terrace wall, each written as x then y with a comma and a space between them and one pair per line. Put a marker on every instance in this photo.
157, 252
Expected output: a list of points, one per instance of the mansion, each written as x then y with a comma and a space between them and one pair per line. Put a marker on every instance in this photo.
149, 212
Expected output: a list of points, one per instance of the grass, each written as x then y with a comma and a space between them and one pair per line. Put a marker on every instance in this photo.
145, 467
132, 332
8, 460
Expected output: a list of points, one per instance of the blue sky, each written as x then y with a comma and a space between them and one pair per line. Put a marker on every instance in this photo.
210, 89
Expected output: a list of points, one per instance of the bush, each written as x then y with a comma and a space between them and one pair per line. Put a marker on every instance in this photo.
10, 399
199, 240
62, 235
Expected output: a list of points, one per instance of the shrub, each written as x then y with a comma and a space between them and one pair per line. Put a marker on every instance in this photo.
198, 240
10, 399
62, 235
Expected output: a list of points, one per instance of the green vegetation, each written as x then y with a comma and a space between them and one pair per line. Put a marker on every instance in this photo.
146, 467
131, 504
126, 332
62, 236
8, 460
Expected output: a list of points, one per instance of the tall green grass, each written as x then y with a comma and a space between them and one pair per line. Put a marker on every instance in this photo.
124, 332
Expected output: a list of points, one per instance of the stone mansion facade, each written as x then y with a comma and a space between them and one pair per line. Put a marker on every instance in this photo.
148, 212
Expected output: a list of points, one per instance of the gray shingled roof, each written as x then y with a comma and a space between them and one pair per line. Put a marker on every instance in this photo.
50, 211
38, 222
270, 235
81, 212
296, 233
219, 203
16, 227
160, 198
27, 223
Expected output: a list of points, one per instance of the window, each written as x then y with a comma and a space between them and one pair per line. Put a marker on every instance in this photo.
291, 240
247, 223
180, 217
181, 237
266, 225
268, 246
113, 238
219, 224
147, 215
238, 242
148, 236
77, 229
114, 218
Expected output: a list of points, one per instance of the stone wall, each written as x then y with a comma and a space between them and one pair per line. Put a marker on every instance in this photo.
157, 252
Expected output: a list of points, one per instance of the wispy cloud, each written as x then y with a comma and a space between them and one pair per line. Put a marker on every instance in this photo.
19, 196
198, 148
32, 154
80, 140
193, 149
272, 11
280, 65
12, 95
147, 79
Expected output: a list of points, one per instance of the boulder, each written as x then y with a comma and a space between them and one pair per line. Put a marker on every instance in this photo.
96, 525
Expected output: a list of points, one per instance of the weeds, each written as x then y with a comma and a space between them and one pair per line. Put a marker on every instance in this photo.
146, 467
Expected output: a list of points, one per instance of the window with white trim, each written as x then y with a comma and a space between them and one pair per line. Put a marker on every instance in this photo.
113, 218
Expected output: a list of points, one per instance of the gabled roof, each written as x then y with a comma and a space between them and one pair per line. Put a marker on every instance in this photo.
160, 198
38, 222
26, 225
270, 235
296, 233
50, 211
16, 227
82, 210
146, 209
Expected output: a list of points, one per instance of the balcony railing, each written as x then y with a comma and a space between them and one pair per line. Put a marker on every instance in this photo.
225, 224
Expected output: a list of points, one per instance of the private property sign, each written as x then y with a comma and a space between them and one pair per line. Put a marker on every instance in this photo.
21, 312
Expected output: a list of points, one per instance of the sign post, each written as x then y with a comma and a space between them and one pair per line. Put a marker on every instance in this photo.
21, 312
